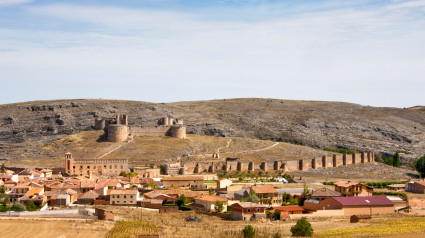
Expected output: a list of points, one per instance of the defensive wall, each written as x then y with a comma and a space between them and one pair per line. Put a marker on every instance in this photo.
284, 166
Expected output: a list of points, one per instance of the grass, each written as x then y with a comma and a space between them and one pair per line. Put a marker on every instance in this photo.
381, 228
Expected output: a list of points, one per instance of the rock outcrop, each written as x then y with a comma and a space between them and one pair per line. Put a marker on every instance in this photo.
315, 124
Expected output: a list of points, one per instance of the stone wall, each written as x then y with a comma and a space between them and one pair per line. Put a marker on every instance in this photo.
284, 166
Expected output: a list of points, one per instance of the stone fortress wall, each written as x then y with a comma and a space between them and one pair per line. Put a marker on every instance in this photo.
117, 129
284, 166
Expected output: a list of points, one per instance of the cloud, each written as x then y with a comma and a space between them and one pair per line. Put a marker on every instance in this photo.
13, 2
338, 54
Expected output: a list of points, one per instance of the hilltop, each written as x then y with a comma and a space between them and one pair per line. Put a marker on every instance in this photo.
311, 123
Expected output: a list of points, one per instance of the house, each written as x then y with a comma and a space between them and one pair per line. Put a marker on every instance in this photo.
357, 205
88, 197
349, 189
174, 193
19, 190
267, 195
323, 193
247, 211
207, 202
57, 199
193, 182
34, 191
223, 183
415, 187
39, 200
124, 197
285, 211
8, 177
396, 187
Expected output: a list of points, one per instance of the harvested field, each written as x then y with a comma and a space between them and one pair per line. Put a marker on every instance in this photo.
46, 228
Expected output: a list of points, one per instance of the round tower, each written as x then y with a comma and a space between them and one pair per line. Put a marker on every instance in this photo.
178, 132
99, 124
117, 133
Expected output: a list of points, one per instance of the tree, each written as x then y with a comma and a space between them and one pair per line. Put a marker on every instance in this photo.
293, 201
218, 206
276, 215
285, 197
396, 160
302, 228
277, 235
2, 169
248, 232
181, 200
31, 206
17, 207
306, 191
420, 166
210, 192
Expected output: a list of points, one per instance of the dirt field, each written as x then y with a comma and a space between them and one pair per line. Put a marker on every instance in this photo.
46, 228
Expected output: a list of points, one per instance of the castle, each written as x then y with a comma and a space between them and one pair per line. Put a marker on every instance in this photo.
118, 130
98, 167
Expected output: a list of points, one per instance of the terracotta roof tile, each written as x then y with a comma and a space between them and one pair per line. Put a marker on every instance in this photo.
264, 189
363, 200
211, 198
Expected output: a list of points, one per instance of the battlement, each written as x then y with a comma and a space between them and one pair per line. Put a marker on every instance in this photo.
234, 164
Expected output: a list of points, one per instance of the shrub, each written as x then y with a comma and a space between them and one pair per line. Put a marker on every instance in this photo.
185, 208
218, 206
31, 206
248, 232
420, 166
276, 215
277, 235
302, 228
18, 207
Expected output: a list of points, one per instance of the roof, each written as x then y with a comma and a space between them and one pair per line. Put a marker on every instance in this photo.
178, 192
289, 208
209, 198
264, 189
291, 190
248, 205
34, 191
364, 201
345, 184
89, 195
325, 192
154, 195
397, 186
123, 192
188, 178
420, 182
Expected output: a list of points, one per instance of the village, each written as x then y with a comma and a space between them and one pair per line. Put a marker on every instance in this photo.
252, 197
230, 190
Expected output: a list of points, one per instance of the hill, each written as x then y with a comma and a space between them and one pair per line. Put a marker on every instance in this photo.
311, 123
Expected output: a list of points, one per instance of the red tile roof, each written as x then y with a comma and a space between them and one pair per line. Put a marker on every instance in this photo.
363, 201
288, 208
211, 198
264, 189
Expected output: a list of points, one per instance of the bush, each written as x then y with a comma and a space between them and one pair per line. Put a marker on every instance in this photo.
276, 215
31, 206
18, 207
185, 208
277, 235
302, 228
248, 232
343, 151
420, 166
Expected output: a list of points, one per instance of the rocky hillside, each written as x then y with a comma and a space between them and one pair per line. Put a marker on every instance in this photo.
315, 124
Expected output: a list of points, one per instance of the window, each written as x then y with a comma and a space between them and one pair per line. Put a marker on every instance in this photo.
116, 166
118, 196
113, 196
104, 166
125, 196
125, 201
73, 167
249, 210
131, 196
110, 166
122, 167
81, 167
88, 166
258, 209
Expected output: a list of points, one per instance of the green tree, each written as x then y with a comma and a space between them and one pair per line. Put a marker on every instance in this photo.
181, 200
276, 215
302, 228
306, 191
396, 160
378, 159
17, 207
3, 168
210, 192
248, 232
218, 206
420, 166
285, 197
31, 206
294, 201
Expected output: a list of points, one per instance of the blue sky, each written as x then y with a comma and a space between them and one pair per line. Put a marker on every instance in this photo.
366, 52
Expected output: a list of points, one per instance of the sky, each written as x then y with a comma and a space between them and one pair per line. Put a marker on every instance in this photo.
366, 52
